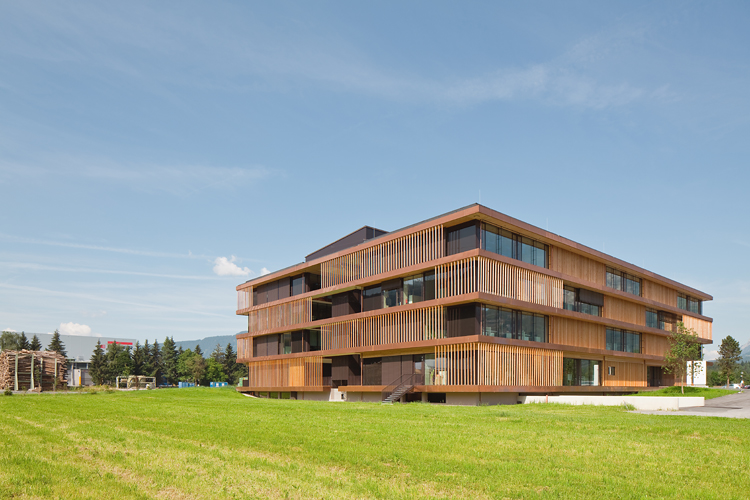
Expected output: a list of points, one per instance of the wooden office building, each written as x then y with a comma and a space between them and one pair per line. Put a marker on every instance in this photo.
469, 307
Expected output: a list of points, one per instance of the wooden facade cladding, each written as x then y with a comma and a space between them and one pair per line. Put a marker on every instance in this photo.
285, 314
408, 250
703, 328
244, 299
497, 365
654, 345
577, 333
295, 372
576, 265
626, 374
481, 274
659, 293
390, 328
244, 349
623, 310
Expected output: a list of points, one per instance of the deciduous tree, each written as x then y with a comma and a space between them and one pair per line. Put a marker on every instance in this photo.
683, 347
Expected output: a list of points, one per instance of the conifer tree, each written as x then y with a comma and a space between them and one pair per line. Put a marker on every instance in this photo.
169, 358
23, 342
230, 363
198, 350
155, 363
139, 360
98, 366
35, 345
57, 345
729, 357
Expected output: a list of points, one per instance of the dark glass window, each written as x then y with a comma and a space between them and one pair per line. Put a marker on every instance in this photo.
371, 298
314, 340
391, 298
413, 289
652, 318
298, 285
286, 340
623, 340
688, 303
462, 239
429, 285
510, 324
623, 281
514, 246
574, 300
580, 371
321, 310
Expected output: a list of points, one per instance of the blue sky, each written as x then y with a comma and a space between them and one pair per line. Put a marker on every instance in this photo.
146, 147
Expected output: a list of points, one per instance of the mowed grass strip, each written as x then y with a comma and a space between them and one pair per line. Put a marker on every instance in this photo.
704, 392
215, 443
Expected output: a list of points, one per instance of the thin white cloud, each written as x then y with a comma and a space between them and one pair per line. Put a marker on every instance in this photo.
99, 298
101, 37
227, 267
9, 330
264, 271
43, 267
76, 329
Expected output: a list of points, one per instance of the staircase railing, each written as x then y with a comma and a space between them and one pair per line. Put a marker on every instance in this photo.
408, 380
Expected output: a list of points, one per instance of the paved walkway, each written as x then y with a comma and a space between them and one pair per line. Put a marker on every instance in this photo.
731, 406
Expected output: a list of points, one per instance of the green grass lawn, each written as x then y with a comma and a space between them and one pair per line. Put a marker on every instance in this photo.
215, 443
705, 392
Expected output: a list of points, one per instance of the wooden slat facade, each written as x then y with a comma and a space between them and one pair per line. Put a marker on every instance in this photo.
623, 310
278, 316
654, 345
408, 250
577, 333
703, 328
480, 274
659, 293
244, 349
573, 264
388, 328
296, 372
626, 374
244, 299
497, 365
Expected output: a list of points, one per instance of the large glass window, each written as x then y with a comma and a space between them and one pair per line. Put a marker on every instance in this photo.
462, 239
510, 324
623, 340
298, 285
514, 246
623, 281
287, 341
414, 289
391, 298
652, 318
581, 371
574, 300
429, 285
371, 298
688, 303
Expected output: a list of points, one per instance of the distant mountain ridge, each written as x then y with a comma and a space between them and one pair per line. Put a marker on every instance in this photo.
745, 352
208, 344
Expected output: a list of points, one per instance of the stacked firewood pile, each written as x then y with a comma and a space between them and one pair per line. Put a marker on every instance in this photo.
25, 370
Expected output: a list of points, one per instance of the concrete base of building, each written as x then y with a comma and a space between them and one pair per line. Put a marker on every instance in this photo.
639, 402
313, 396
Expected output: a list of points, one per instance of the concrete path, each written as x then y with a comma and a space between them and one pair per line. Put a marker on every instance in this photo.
731, 406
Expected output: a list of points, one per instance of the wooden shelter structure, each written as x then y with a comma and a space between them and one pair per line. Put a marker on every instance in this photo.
32, 370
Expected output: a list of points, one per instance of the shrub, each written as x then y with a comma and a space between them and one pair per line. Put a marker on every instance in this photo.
8, 392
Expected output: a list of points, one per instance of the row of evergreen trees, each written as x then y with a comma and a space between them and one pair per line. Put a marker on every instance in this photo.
13, 341
167, 363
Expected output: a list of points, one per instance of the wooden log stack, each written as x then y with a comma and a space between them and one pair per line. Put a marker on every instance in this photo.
37, 370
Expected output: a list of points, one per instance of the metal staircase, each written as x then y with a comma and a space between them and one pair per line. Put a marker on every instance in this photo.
401, 386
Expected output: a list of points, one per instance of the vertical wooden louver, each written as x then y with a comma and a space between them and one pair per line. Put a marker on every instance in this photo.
480, 274
408, 250
389, 328
244, 349
297, 372
497, 365
244, 299
278, 316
